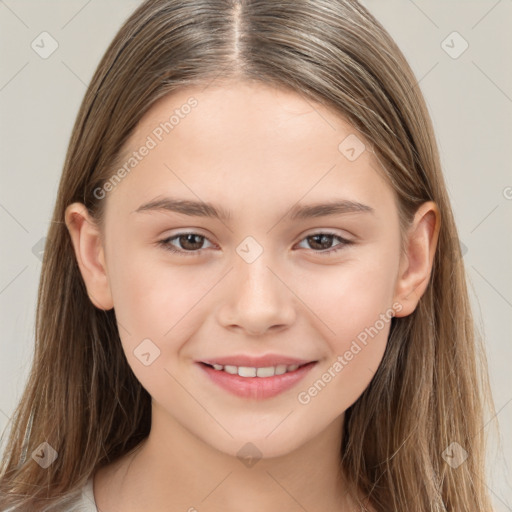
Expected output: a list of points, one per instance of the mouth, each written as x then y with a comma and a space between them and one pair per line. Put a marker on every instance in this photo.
256, 382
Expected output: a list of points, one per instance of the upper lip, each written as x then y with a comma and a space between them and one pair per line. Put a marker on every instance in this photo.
255, 361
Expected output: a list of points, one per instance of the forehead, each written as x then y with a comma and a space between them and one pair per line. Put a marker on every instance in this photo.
246, 144
264, 116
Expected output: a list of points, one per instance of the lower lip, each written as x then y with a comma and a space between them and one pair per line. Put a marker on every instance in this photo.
256, 387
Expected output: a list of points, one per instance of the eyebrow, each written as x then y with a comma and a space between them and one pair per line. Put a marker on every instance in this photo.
205, 209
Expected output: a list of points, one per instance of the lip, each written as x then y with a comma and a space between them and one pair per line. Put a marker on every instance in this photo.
256, 388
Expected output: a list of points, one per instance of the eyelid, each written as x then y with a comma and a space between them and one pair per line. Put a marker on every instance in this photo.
329, 231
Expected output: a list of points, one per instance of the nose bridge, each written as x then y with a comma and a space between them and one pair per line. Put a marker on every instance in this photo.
253, 268
257, 299
258, 276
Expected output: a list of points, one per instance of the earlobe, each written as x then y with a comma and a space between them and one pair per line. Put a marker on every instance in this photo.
90, 255
416, 264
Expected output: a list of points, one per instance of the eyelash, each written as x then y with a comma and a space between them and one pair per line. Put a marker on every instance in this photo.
329, 252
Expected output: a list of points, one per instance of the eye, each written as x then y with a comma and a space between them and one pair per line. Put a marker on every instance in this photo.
190, 242
322, 240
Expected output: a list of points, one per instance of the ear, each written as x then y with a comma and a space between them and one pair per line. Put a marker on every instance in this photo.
416, 263
89, 251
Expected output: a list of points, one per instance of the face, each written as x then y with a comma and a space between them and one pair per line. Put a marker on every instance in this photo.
268, 284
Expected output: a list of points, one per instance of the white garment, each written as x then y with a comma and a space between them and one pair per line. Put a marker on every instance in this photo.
86, 501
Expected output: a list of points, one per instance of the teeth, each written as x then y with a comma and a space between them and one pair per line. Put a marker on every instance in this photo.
280, 369
247, 371
231, 369
268, 371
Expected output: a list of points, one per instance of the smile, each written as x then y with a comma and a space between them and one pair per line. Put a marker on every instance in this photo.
256, 382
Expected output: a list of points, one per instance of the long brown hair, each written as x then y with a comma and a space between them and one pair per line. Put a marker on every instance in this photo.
431, 387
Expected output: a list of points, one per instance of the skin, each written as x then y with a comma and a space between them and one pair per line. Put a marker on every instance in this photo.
254, 150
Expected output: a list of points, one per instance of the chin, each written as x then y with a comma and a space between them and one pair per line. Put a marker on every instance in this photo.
247, 444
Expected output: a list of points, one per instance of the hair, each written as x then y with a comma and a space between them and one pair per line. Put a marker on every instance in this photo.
431, 388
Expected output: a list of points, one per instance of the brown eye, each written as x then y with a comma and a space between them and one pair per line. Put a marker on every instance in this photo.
322, 242
190, 244
191, 241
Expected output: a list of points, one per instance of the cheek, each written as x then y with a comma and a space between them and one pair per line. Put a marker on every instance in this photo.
353, 306
156, 300
156, 308
348, 297
342, 379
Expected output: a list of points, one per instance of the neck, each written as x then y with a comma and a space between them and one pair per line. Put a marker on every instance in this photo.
174, 470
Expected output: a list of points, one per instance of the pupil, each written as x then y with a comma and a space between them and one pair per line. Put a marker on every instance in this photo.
324, 240
189, 239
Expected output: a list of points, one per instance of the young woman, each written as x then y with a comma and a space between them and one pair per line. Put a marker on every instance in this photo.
252, 295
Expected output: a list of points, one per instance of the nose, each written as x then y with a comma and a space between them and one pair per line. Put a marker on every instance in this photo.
256, 299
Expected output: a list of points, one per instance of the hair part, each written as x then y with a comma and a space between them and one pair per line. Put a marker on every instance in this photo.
431, 387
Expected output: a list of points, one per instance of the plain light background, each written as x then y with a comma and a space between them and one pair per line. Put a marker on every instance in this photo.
469, 98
